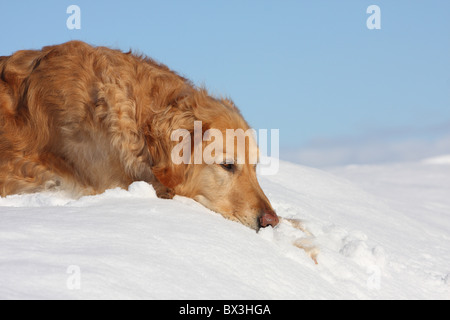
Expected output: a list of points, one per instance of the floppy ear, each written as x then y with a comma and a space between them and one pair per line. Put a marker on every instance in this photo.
171, 175
179, 114
165, 171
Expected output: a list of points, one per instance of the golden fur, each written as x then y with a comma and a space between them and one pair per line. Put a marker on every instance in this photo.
85, 119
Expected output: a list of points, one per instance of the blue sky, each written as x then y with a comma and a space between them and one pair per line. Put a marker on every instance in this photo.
309, 68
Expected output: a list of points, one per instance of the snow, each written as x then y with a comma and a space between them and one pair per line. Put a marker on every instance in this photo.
383, 233
438, 160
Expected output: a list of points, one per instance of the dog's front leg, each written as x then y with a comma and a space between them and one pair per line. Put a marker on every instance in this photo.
162, 191
145, 174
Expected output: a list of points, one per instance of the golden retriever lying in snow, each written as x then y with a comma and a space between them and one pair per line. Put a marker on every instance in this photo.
85, 119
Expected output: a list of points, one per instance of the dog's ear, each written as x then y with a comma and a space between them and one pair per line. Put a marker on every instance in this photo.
162, 166
179, 114
171, 175
165, 170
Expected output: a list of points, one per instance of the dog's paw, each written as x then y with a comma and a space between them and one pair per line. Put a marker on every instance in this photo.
164, 192
52, 185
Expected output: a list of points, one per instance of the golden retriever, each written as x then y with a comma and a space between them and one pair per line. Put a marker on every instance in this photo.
85, 119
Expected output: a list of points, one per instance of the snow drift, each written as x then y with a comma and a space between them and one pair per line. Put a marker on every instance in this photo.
383, 233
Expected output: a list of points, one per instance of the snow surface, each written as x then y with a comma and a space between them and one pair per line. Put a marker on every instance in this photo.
383, 233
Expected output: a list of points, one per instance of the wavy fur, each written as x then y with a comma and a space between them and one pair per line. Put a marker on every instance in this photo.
85, 119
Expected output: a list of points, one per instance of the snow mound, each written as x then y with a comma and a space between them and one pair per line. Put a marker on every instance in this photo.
442, 160
382, 233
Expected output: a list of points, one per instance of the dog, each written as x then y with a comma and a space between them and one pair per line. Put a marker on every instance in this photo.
84, 119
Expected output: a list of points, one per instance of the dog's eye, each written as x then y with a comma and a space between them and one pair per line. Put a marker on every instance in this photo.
228, 166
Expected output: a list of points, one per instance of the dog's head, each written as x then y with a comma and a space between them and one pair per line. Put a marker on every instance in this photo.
212, 159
